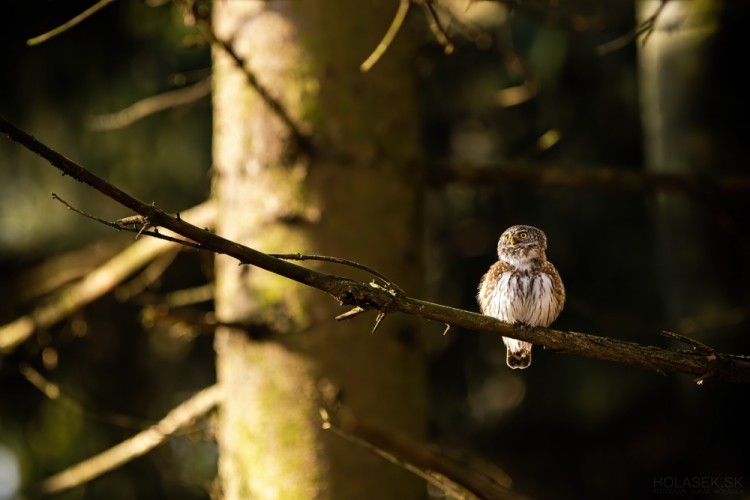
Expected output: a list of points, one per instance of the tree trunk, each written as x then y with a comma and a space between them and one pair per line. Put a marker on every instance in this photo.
356, 197
672, 67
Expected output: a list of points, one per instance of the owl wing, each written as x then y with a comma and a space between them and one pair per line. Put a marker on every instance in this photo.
489, 282
558, 290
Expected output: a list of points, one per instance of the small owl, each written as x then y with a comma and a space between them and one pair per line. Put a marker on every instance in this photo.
523, 287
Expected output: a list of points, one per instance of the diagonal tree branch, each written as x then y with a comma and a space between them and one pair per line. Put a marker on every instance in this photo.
457, 480
369, 296
95, 284
644, 29
70, 23
152, 105
54, 393
303, 143
398, 20
581, 177
178, 418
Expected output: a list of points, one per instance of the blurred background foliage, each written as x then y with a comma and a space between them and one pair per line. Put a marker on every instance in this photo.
526, 88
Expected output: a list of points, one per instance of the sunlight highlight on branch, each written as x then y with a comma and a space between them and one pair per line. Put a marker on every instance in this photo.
151, 105
181, 416
398, 20
69, 24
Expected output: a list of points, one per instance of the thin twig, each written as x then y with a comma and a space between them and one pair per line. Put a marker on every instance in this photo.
708, 351
53, 392
152, 105
69, 24
450, 476
450, 488
338, 260
183, 415
127, 224
148, 276
437, 29
645, 29
95, 284
468, 28
355, 311
398, 20
189, 296
302, 142
120, 224
699, 346
378, 320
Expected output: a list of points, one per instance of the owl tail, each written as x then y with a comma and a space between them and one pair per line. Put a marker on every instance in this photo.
519, 353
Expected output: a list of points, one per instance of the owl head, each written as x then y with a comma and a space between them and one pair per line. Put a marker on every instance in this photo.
522, 244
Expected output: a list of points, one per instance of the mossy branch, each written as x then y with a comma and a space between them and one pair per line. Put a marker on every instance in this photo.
702, 363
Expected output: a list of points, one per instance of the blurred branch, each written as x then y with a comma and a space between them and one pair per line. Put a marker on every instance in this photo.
518, 68
186, 322
302, 142
181, 416
368, 296
455, 479
434, 23
53, 392
574, 16
153, 271
587, 178
709, 191
69, 24
59, 270
95, 284
643, 29
152, 105
518, 94
189, 296
398, 20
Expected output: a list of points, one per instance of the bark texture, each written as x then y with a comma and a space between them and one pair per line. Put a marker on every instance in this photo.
355, 196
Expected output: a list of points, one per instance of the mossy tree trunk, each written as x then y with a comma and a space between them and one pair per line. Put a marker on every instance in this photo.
357, 197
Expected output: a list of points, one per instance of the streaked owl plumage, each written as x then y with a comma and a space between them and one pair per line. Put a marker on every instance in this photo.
522, 287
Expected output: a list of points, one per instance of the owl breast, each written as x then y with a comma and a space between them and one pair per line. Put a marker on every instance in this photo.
524, 297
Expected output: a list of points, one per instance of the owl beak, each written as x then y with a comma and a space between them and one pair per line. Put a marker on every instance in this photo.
512, 240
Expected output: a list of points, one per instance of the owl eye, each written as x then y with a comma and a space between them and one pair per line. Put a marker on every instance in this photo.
523, 235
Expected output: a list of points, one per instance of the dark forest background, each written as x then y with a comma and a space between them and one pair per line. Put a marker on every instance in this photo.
634, 261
